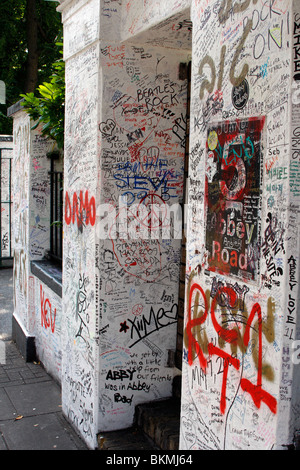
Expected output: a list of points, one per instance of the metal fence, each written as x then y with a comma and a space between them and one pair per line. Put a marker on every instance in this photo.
56, 213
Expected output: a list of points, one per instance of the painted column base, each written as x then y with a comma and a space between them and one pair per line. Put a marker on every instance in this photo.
24, 342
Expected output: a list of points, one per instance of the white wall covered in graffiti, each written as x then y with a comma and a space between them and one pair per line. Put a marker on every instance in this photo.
139, 17
21, 135
241, 325
142, 159
124, 150
39, 195
47, 316
6, 147
31, 216
79, 347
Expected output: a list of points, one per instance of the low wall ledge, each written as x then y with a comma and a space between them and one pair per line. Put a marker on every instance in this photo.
49, 273
15, 108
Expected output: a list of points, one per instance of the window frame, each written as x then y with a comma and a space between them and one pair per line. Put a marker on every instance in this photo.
55, 252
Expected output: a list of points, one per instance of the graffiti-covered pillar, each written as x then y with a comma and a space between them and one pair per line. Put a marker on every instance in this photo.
6, 158
79, 346
143, 136
124, 154
30, 228
241, 333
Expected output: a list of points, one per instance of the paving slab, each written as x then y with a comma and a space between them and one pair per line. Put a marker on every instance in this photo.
6, 303
42, 432
2, 444
7, 410
35, 398
31, 416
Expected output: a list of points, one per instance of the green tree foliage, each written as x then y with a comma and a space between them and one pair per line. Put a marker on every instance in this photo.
30, 30
48, 107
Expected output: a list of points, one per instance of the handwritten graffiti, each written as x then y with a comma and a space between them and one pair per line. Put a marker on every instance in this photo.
106, 128
113, 56
228, 302
122, 398
272, 244
124, 327
158, 96
227, 9
137, 309
292, 272
142, 326
82, 305
120, 374
180, 128
133, 183
139, 257
82, 210
5, 241
46, 308
20, 271
296, 47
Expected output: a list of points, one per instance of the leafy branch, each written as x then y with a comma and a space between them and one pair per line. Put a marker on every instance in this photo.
48, 107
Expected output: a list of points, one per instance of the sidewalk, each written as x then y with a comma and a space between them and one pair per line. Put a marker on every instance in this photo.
31, 417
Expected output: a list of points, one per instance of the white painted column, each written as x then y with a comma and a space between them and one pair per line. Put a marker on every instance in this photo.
80, 351
30, 220
6, 145
124, 140
241, 355
142, 127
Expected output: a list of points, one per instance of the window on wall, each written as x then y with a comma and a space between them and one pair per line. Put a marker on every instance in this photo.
56, 207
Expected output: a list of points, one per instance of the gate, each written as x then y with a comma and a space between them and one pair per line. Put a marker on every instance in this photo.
181, 299
6, 153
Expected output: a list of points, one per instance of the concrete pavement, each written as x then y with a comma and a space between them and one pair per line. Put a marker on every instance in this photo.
31, 416
6, 302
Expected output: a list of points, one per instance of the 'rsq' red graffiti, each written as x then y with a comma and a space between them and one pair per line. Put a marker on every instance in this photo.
81, 210
229, 336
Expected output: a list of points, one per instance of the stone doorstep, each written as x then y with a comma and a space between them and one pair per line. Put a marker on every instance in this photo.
131, 438
160, 421
156, 428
